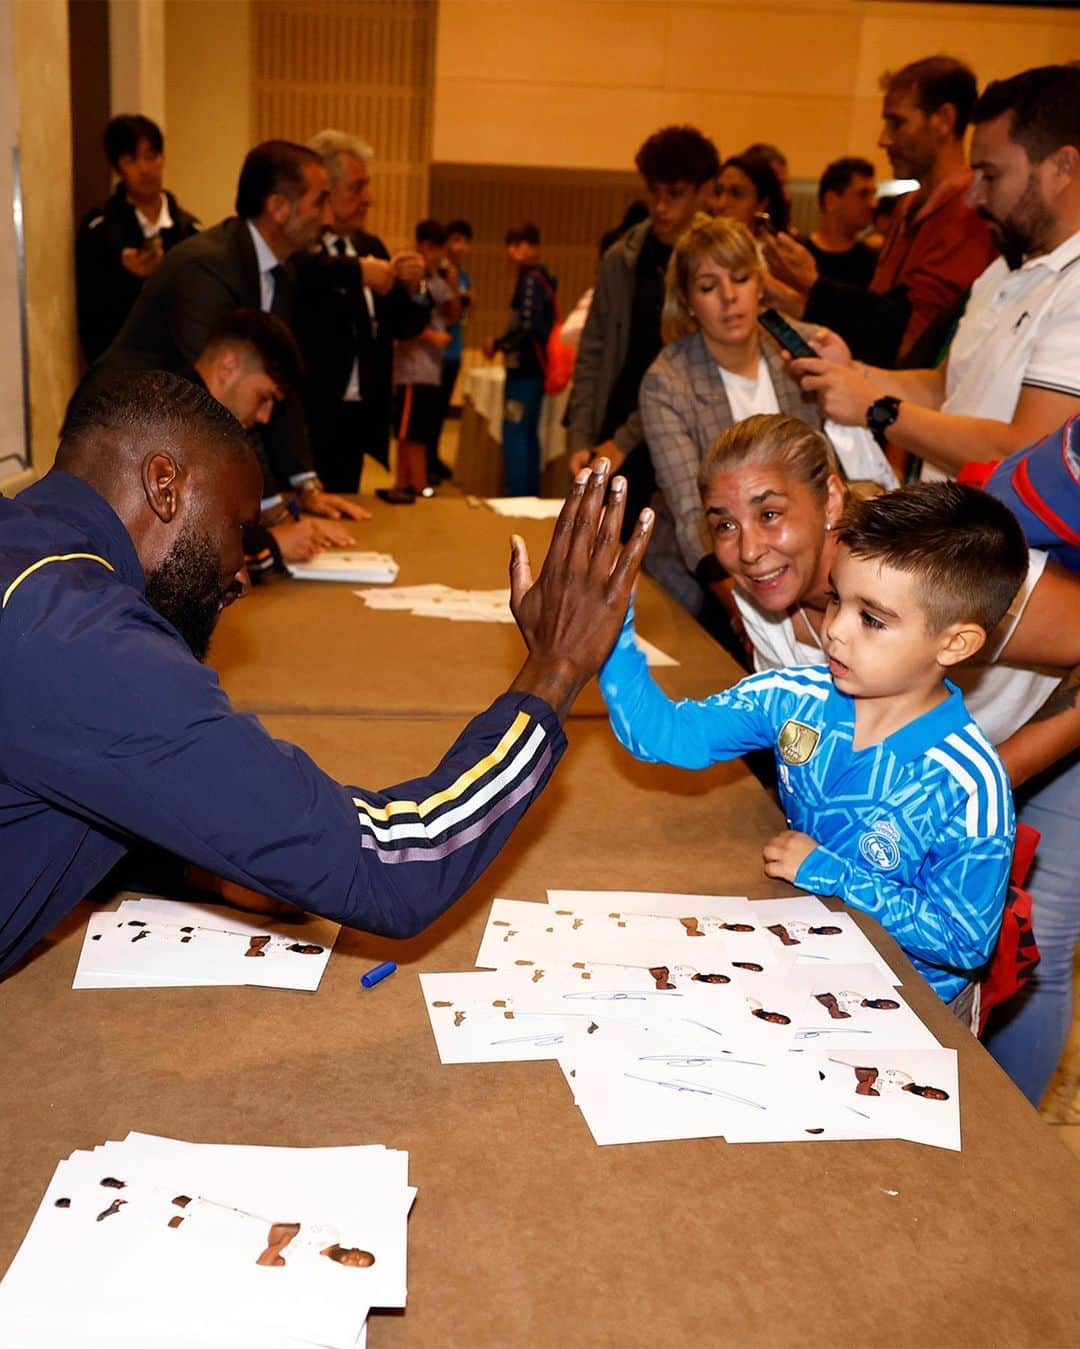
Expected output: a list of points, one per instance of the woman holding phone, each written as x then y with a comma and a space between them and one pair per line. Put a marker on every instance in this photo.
718, 367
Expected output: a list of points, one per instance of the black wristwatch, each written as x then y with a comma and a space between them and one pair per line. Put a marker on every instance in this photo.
880, 415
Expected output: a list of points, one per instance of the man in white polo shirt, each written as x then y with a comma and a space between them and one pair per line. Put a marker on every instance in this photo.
1013, 372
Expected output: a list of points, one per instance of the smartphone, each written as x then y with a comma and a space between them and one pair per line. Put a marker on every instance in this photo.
778, 327
763, 225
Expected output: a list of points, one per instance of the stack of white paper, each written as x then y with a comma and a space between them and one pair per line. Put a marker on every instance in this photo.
162, 943
350, 565
471, 606
161, 1242
688, 1016
527, 508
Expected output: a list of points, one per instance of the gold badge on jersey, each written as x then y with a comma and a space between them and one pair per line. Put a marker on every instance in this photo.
797, 742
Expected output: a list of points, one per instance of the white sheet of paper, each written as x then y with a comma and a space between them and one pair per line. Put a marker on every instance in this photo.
526, 508
401, 597
854, 1006
674, 1085
348, 565
474, 1019
212, 952
128, 1269
899, 1077
834, 939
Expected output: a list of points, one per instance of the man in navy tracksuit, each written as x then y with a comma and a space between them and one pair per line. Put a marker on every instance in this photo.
113, 571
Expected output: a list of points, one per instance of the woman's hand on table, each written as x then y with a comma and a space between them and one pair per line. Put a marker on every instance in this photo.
572, 613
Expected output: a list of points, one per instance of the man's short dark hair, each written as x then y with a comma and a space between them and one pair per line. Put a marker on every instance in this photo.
461, 227
149, 406
525, 233
264, 335
963, 546
678, 154
935, 81
430, 232
1045, 107
123, 134
837, 177
272, 167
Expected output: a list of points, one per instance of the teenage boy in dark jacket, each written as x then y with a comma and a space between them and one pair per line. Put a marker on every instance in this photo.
524, 346
122, 242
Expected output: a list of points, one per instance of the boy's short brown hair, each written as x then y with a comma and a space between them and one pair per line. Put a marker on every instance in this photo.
965, 548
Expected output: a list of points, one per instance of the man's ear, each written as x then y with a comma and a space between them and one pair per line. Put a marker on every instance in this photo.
959, 642
945, 120
160, 479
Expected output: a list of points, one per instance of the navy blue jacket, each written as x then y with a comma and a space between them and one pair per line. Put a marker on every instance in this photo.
532, 317
110, 731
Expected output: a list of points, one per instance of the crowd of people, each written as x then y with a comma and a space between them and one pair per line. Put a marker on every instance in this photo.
762, 395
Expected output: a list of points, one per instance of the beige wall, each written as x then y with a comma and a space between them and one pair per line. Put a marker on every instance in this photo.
580, 83
207, 101
137, 57
40, 39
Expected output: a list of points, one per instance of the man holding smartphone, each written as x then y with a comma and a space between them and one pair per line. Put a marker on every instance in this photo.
120, 244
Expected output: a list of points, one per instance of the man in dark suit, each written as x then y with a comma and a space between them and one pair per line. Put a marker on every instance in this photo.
241, 263
354, 300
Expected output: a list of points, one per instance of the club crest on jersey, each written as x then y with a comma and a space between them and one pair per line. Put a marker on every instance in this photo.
797, 742
881, 846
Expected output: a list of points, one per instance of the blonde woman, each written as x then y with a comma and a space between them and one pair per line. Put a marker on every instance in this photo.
718, 368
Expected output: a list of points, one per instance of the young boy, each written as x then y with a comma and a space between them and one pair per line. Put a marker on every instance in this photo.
418, 374
894, 799
524, 346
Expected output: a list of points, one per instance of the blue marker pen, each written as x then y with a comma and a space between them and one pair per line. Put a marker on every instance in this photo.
293, 508
378, 974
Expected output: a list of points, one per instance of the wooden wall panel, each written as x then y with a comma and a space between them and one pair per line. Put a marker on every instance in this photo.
572, 208
361, 66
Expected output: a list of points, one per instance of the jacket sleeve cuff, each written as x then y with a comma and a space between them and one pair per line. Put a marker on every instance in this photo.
822, 872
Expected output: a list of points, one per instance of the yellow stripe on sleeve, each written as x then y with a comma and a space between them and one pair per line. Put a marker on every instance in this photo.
58, 557
457, 788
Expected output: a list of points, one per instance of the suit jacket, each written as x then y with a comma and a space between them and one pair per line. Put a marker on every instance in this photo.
334, 328
105, 289
196, 284
684, 407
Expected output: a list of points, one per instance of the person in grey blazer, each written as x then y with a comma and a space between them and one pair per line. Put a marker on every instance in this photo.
718, 367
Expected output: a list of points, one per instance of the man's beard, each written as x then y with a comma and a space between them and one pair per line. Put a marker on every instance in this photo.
1016, 240
186, 590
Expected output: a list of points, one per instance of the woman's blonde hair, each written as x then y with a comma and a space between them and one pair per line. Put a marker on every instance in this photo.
771, 438
727, 243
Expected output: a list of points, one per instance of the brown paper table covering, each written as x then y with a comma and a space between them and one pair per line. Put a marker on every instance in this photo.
313, 646
525, 1233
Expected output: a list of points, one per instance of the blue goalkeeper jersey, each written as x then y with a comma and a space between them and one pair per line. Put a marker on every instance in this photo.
916, 831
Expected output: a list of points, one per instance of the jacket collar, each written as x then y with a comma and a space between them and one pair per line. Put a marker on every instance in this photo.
70, 501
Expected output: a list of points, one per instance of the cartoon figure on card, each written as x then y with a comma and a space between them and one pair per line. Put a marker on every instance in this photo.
842, 1006
796, 931
763, 1014
871, 1082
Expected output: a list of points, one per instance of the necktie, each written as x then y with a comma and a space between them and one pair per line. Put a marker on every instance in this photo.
277, 302
339, 247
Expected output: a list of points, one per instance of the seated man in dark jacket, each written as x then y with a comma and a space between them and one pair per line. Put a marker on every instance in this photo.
114, 569
121, 243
